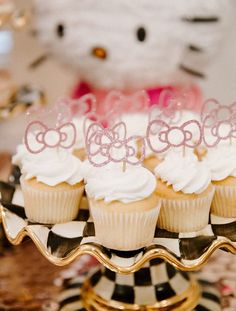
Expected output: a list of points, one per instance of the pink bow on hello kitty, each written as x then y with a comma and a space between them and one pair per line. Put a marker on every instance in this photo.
38, 136
111, 145
161, 136
218, 122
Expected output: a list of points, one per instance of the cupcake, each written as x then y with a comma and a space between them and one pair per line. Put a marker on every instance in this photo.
151, 161
124, 206
222, 164
185, 189
52, 185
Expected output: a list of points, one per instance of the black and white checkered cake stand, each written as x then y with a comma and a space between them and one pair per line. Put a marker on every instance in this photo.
146, 279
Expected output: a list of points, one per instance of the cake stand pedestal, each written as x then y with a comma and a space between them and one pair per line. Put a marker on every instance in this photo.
153, 278
156, 286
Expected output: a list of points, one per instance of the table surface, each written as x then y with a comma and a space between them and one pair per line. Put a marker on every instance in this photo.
23, 286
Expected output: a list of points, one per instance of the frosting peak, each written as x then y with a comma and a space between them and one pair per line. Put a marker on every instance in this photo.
221, 162
136, 123
111, 184
53, 167
184, 173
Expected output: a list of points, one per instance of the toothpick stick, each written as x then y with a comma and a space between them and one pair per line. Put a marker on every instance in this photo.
124, 167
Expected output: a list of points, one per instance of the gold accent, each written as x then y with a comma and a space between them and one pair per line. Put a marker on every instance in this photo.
94, 250
6, 10
182, 302
17, 19
4, 18
11, 111
20, 19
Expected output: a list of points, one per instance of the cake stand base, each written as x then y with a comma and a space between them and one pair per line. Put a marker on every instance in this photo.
157, 286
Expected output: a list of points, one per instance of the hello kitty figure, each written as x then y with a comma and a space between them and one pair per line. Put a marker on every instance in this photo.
133, 45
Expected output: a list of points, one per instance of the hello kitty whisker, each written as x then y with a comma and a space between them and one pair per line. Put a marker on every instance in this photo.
192, 72
39, 61
201, 19
195, 48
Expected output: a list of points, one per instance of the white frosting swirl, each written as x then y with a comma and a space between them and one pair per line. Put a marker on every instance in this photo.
136, 123
184, 173
221, 162
53, 167
22, 153
111, 184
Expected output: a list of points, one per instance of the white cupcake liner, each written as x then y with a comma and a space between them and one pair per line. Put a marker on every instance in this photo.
51, 206
224, 201
125, 231
185, 215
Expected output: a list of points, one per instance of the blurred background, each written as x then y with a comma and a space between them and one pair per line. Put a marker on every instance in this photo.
55, 79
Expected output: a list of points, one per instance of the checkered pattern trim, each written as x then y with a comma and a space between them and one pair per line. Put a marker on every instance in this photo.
134, 288
61, 239
210, 299
156, 281
70, 296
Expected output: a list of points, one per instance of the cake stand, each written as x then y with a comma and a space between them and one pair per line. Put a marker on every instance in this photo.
156, 277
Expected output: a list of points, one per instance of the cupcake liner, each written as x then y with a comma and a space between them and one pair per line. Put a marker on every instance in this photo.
124, 231
51, 206
185, 215
224, 201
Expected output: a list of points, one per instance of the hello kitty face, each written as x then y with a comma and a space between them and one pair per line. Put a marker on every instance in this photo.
133, 44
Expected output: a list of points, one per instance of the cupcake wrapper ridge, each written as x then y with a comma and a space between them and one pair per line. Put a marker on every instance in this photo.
124, 231
224, 201
185, 215
53, 206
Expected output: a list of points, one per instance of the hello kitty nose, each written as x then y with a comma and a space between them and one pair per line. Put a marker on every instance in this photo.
99, 52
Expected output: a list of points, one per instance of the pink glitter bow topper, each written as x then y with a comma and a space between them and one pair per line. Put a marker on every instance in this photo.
56, 115
119, 103
39, 136
168, 109
105, 145
161, 136
218, 122
50, 128
85, 105
170, 106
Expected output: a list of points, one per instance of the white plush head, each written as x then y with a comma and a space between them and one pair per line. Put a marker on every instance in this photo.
133, 44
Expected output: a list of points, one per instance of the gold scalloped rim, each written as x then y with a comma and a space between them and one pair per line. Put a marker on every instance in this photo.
94, 250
